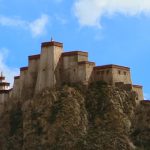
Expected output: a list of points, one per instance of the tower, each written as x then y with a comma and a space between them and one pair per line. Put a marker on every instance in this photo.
4, 89
48, 66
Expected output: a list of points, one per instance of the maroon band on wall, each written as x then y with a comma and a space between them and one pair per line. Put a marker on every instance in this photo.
52, 43
23, 68
112, 66
73, 53
34, 57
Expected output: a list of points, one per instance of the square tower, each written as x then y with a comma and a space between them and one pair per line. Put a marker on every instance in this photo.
49, 61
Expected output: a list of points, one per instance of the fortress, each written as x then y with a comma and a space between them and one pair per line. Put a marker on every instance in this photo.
54, 67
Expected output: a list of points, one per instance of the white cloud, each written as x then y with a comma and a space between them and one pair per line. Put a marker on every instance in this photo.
8, 72
36, 27
62, 20
90, 12
6, 21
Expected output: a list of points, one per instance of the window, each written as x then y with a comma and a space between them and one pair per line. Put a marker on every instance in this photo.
125, 73
119, 72
97, 72
102, 72
107, 72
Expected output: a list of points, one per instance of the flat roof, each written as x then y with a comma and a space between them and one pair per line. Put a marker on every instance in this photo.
52, 43
112, 66
138, 86
17, 77
145, 102
23, 68
74, 53
86, 62
32, 57
2, 78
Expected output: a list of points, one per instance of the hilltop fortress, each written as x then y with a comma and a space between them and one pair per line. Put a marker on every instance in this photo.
54, 67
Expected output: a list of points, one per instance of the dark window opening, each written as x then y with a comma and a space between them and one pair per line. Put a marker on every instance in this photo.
107, 71
125, 73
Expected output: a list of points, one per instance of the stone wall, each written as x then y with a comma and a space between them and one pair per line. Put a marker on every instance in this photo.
112, 74
33, 68
53, 67
23, 81
16, 87
85, 71
50, 56
70, 66
139, 90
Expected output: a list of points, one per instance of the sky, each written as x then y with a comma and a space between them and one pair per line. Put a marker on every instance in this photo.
112, 32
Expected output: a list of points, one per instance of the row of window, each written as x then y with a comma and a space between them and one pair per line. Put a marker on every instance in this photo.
108, 71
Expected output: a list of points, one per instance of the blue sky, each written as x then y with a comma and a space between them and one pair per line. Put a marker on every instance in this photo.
113, 32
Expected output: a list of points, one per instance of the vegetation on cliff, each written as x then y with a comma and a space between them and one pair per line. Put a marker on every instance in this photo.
74, 117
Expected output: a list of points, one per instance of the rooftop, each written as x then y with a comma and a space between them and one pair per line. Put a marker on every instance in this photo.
112, 66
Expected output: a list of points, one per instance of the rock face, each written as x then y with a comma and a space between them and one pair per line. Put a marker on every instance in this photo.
74, 117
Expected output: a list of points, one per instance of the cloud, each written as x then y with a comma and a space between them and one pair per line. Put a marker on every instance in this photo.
36, 27
62, 20
90, 12
8, 72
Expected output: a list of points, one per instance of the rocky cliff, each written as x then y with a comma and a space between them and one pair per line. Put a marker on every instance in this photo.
74, 117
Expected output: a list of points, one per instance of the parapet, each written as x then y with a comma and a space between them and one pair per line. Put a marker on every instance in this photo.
52, 43
34, 57
145, 103
74, 53
138, 86
23, 68
111, 66
17, 77
86, 62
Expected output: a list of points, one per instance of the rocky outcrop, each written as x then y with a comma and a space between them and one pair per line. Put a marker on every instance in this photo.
74, 117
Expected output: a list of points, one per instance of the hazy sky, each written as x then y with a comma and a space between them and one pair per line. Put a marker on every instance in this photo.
112, 31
